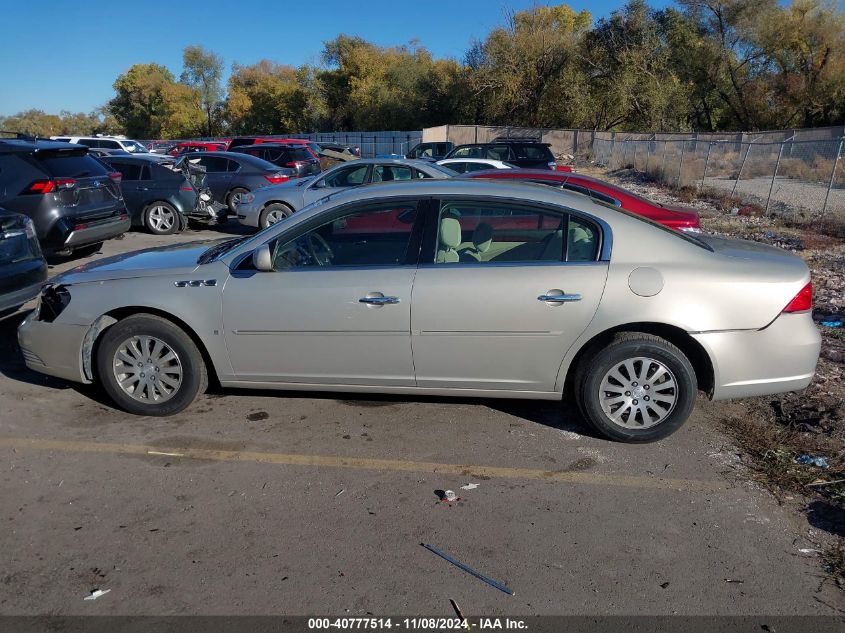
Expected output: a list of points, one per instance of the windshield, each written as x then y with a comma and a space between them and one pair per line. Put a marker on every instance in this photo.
134, 147
220, 249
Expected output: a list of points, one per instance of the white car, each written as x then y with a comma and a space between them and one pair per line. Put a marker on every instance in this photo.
464, 165
105, 142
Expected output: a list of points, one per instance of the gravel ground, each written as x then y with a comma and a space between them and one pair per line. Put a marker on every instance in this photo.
789, 197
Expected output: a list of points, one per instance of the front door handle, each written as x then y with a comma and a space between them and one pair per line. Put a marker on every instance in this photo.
558, 296
378, 299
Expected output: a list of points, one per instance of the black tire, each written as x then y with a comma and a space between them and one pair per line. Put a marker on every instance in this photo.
194, 373
273, 207
230, 196
162, 207
598, 362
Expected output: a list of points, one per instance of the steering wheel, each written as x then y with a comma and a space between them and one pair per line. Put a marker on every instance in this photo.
319, 249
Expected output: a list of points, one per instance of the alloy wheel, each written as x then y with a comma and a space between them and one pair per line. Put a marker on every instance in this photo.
147, 369
638, 393
161, 219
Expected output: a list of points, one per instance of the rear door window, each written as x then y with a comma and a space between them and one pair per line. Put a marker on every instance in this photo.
214, 164
385, 173
130, 171
499, 152
533, 152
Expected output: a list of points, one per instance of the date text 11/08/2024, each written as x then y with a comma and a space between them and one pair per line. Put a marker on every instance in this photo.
431, 624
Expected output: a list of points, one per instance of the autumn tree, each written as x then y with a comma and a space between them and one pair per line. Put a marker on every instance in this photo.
203, 71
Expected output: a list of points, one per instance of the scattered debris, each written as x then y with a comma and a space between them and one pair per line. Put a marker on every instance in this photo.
340, 492
663, 585
467, 569
167, 454
738, 582
812, 460
836, 323
809, 550
96, 593
457, 610
467, 487
449, 495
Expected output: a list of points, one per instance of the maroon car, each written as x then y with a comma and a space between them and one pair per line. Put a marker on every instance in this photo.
677, 218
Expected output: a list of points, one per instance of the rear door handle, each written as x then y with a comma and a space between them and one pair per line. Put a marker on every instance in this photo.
559, 297
379, 301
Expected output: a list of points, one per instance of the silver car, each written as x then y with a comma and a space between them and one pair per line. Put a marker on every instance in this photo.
268, 205
445, 287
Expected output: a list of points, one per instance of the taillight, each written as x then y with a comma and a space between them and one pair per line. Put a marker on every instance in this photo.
115, 176
275, 179
803, 301
186, 188
48, 186
296, 163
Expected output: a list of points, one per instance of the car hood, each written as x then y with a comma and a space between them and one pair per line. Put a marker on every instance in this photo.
165, 260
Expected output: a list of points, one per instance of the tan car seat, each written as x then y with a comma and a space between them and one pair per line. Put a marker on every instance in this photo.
482, 239
450, 239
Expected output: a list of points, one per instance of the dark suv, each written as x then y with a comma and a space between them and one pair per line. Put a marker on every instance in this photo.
296, 157
72, 198
22, 268
525, 154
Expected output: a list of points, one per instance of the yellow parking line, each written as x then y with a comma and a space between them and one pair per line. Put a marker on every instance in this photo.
366, 463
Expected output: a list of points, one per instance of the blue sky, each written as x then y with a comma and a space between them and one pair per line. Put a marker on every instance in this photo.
53, 58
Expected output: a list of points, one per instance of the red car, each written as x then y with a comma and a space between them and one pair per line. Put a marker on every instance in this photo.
238, 141
187, 147
676, 218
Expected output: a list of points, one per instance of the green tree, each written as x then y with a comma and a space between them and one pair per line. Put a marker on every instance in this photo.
203, 70
149, 103
267, 98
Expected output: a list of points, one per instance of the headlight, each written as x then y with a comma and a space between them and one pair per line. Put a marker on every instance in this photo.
51, 302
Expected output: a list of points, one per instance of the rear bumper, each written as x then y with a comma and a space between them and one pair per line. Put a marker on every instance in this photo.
779, 358
54, 349
66, 235
21, 281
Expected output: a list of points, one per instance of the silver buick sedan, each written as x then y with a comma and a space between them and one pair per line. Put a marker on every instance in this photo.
445, 287
268, 205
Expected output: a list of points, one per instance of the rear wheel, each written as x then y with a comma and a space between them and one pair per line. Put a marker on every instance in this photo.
161, 218
638, 388
232, 197
149, 366
272, 213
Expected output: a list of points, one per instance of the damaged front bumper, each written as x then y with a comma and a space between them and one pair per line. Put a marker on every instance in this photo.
54, 349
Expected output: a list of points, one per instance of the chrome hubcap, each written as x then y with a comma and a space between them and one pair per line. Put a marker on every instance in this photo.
147, 369
275, 216
161, 218
638, 393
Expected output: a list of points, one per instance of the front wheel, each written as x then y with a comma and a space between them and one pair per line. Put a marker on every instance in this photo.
149, 366
638, 388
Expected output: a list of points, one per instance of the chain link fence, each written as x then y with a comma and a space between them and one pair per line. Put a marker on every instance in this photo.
800, 178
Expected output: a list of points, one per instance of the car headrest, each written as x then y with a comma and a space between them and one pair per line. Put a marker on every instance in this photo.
450, 232
482, 237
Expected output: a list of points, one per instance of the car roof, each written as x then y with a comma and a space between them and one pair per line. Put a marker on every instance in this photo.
240, 148
144, 158
512, 141
25, 146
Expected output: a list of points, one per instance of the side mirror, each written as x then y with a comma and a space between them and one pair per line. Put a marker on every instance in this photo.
262, 258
